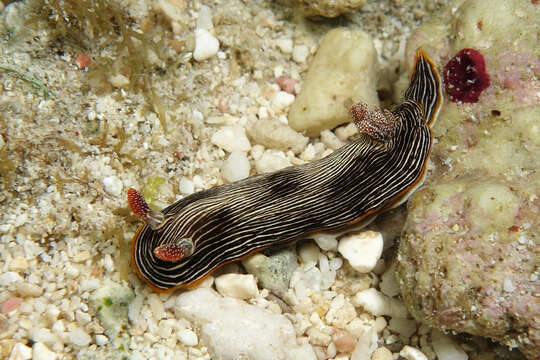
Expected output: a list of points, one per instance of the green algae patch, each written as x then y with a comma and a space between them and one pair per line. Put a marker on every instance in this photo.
111, 303
151, 188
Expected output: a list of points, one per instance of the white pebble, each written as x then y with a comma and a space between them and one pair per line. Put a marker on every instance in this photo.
236, 167
173, 10
262, 113
197, 117
303, 352
134, 309
79, 337
118, 80
113, 185
237, 285
136, 355
108, 263
82, 317
381, 353
309, 252
71, 271
345, 132
317, 337
186, 186
204, 21
380, 324
376, 303
257, 152
206, 45
20, 352
28, 289
300, 53
156, 305
329, 139
446, 348
198, 181
278, 71
9, 277
411, 353
42, 335
362, 250
309, 155
331, 350
285, 45
58, 327
42, 352
231, 138
282, 99
366, 345
82, 256
101, 340
326, 242
52, 313
19, 263
336, 311
258, 333
187, 337
271, 161
508, 286
389, 284
336, 263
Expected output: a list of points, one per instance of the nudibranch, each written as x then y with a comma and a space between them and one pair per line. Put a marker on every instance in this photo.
182, 244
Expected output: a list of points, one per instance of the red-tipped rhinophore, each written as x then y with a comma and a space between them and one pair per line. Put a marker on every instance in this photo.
138, 204
176, 251
465, 76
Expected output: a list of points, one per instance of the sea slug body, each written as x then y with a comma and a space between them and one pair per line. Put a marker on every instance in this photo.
183, 243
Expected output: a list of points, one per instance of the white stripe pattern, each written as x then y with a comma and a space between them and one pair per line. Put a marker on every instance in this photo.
351, 185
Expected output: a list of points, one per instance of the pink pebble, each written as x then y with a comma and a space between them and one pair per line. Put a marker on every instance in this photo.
344, 341
286, 84
11, 304
83, 60
223, 105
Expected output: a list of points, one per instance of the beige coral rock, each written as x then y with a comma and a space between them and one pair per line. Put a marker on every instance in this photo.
328, 8
276, 135
341, 73
468, 257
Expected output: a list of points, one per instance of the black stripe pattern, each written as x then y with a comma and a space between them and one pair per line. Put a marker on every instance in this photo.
351, 185
425, 87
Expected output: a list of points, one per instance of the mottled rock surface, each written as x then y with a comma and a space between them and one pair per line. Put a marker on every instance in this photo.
341, 73
470, 248
328, 8
111, 302
273, 272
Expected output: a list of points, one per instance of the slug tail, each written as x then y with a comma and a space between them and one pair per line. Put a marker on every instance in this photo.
425, 87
